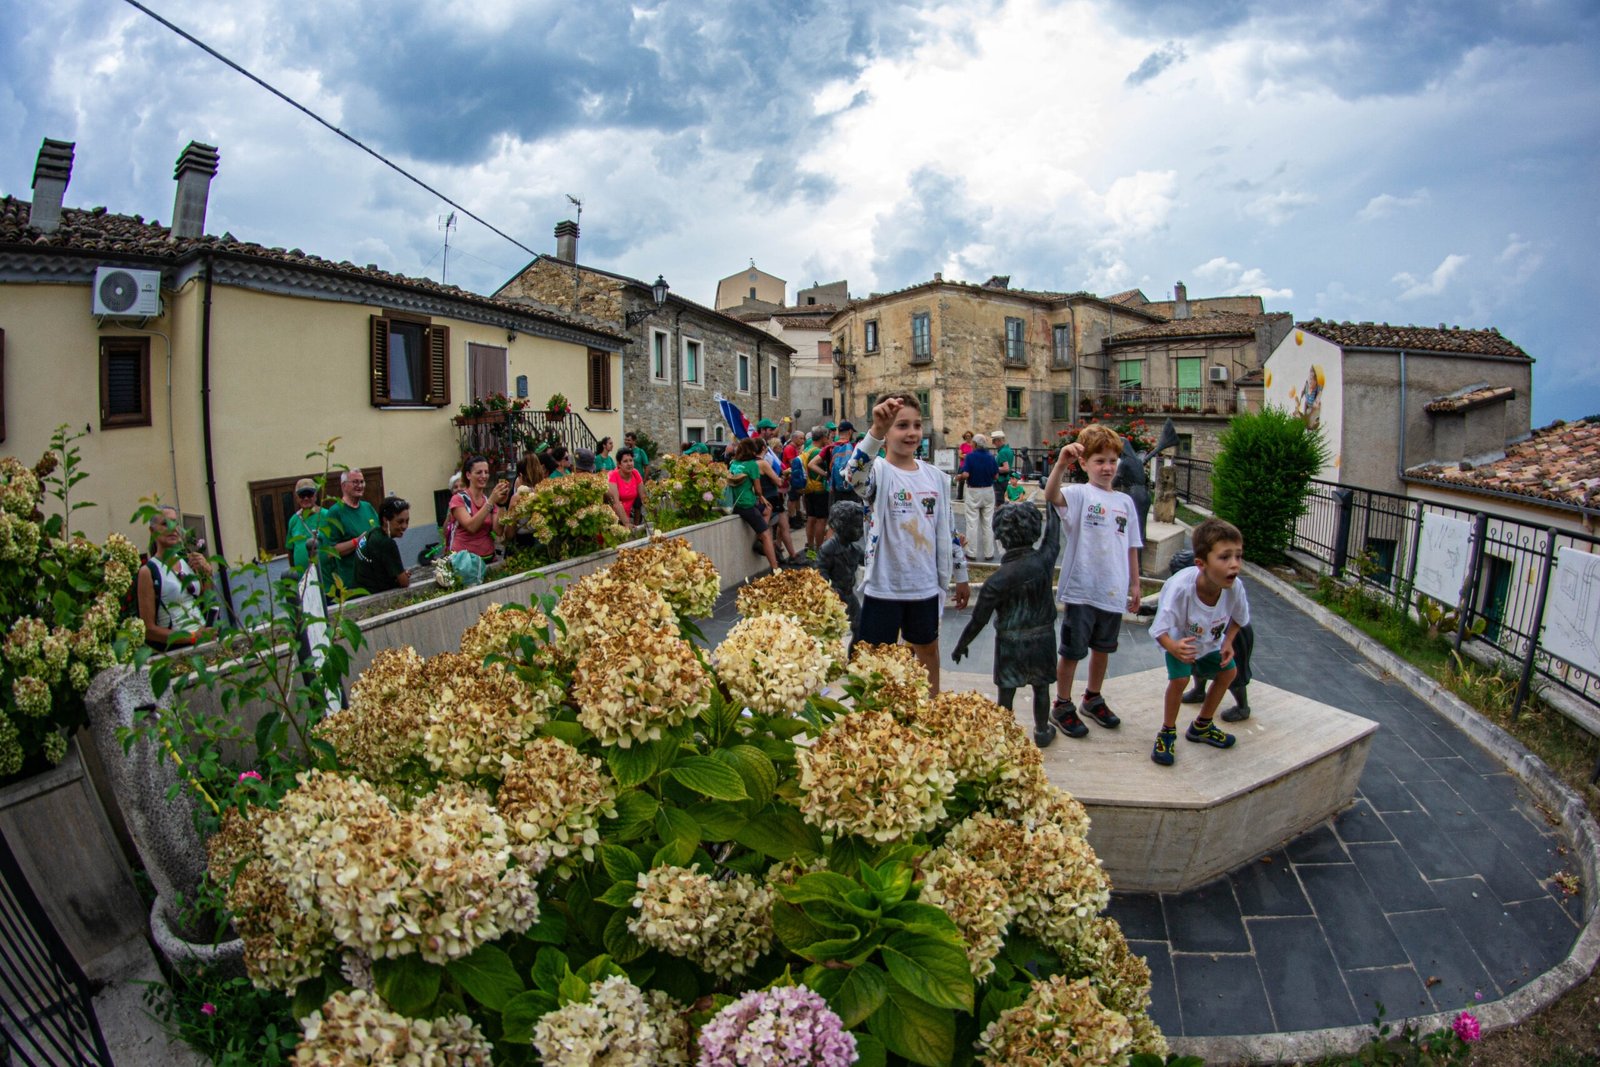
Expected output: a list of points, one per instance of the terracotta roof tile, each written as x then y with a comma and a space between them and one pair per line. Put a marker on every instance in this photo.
1132, 297
1210, 324
1560, 462
1042, 296
99, 231
1468, 399
1381, 335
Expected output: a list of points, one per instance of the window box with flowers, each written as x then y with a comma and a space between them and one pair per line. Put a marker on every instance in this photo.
557, 407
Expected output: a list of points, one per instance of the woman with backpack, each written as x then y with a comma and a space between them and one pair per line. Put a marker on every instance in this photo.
474, 509
169, 586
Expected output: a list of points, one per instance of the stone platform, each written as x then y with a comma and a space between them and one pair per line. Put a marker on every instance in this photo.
1167, 829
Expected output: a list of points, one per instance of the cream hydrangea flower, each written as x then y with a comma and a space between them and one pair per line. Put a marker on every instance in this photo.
871, 775
985, 745
892, 676
687, 579
631, 686
604, 604
389, 707
499, 624
977, 901
552, 799
479, 716
354, 1027
19, 487
618, 1026
1119, 978
10, 746
720, 926
770, 664
1063, 1024
804, 594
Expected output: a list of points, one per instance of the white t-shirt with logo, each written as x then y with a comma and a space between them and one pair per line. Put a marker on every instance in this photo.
1098, 528
907, 567
1183, 614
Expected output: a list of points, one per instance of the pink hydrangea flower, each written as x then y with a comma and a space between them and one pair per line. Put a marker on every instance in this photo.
249, 774
790, 1026
208, 1008
1466, 1027
707, 497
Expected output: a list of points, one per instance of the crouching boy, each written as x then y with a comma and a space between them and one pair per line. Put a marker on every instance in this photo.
1199, 616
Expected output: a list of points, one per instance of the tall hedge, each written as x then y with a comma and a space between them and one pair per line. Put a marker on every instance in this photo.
1260, 480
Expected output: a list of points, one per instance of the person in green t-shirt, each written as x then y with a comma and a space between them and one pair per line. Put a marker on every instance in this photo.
603, 460
744, 475
344, 521
641, 458
1007, 460
305, 529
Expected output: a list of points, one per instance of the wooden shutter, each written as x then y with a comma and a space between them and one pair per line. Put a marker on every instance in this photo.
599, 380
438, 376
380, 361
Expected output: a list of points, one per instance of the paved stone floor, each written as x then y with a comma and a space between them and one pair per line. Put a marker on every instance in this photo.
1432, 887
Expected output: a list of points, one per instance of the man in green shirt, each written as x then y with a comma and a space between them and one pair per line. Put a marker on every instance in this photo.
641, 459
345, 521
1007, 459
305, 529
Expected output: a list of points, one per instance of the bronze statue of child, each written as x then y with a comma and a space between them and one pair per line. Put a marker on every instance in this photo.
1022, 597
841, 555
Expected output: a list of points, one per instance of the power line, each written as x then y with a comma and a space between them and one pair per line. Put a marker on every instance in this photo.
374, 153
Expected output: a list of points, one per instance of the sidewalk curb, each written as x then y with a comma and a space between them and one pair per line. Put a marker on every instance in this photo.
1537, 993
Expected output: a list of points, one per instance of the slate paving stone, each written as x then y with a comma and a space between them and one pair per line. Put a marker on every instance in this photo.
1476, 757
1221, 995
1438, 949
1304, 985
1428, 846
1486, 792
1450, 813
1506, 874
1163, 985
1139, 915
1407, 766
1319, 845
1397, 989
1383, 791
1359, 822
1423, 741
1269, 888
1514, 941
1205, 919
1344, 904
1392, 877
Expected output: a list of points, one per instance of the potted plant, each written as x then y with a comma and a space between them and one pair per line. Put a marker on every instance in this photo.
557, 407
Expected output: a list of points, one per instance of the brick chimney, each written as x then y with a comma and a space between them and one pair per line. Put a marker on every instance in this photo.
1180, 303
567, 241
196, 166
50, 176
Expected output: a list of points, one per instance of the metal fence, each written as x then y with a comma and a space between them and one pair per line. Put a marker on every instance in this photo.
1510, 568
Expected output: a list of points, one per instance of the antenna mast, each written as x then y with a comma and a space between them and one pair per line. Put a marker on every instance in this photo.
446, 223
577, 277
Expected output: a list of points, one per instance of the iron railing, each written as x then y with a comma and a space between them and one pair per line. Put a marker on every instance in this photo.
1509, 568
1152, 400
503, 436
46, 1007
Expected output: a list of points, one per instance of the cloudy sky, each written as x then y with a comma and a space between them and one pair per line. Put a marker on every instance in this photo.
1383, 160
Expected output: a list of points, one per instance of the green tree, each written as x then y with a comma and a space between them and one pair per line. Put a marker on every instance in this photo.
1260, 480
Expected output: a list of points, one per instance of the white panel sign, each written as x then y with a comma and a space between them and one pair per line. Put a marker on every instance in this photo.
945, 459
1572, 610
1443, 557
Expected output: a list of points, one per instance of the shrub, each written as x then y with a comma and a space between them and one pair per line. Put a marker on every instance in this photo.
689, 490
568, 517
1261, 477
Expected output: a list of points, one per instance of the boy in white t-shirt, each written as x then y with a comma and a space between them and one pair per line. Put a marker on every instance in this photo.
1201, 610
912, 551
1099, 572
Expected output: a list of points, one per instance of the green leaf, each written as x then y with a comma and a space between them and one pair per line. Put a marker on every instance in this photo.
779, 831
760, 777
549, 967
870, 1051
309, 996
621, 864
550, 929
919, 918
570, 732
673, 854
633, 765
573, 989
915, 1029
720, 715
709, 777
719, 820
620, 942
618, 895
823, 886
795, 930
863, 992
600, 967
408, 984
824, 981
522, 1012
488, 974
635, 812
677, 825
677, 978
931, 968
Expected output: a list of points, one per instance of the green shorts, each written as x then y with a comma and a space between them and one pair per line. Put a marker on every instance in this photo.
1207, 666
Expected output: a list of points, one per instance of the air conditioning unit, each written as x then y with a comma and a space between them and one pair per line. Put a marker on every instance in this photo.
1219, 374
124, 293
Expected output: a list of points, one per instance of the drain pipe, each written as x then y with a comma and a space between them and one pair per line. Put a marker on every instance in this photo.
1400, 460
205, 431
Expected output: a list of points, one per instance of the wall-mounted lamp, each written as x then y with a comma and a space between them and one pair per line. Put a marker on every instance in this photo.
659, 292
511, 335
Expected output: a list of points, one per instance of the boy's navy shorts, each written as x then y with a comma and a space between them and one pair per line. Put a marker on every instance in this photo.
885, 622
1085, 627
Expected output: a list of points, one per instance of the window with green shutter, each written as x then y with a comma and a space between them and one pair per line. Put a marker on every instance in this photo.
1188, 379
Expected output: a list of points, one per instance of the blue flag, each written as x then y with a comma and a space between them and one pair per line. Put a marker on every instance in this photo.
734, 417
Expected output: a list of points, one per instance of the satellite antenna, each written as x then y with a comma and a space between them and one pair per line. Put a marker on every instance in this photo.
446, 223
579, 205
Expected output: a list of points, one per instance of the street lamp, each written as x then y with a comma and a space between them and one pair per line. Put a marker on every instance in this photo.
659, 292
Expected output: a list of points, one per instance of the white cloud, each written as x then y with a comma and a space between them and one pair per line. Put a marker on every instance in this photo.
1140, 203
1386, 204
1228, 278
1278, 207
1412, 288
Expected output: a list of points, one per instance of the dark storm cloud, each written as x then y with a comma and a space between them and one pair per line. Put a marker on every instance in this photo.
919, 233
1156, 62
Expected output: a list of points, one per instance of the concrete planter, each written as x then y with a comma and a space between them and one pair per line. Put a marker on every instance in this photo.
57, 828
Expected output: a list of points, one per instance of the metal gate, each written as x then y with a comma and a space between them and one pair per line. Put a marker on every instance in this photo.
46, 1012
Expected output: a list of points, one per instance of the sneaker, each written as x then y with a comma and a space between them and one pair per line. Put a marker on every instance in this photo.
1095, 708
1166, 737
1043, 735
1237, 713
1210, 734
1196, 694
1065, 715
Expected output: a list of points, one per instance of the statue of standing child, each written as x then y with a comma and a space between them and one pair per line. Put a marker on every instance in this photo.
841, 555
1021, 595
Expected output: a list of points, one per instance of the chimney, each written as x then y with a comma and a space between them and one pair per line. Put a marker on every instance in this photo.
197, 165
1180, 308
567, 241
50, 176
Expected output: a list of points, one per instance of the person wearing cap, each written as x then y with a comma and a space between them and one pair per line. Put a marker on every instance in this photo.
305, 525
978, 470
815, 496
1005, 459
834, 457
583, 461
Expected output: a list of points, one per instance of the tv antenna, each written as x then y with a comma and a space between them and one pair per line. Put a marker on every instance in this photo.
575, 202
446, 223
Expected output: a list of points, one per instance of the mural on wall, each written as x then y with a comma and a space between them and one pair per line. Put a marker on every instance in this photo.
1303, 377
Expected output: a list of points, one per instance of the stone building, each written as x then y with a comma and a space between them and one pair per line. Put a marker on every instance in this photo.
804, 326
751, 286
681, 354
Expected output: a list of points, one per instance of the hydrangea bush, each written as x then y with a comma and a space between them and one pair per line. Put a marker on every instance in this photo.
567, 516
582, 840
687, 490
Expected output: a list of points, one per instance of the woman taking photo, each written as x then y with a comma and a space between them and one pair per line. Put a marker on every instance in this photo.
169, 587
473, 510
378, 566
627, 490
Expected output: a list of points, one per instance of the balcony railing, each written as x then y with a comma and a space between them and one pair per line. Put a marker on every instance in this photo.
1202, 400
503, 436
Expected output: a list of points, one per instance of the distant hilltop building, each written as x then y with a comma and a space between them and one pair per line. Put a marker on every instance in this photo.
751, 286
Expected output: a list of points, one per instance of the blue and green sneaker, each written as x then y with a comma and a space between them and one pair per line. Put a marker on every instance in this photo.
1166, 738
1208, 732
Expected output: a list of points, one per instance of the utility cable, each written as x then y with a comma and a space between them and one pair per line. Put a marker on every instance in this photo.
374, 153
